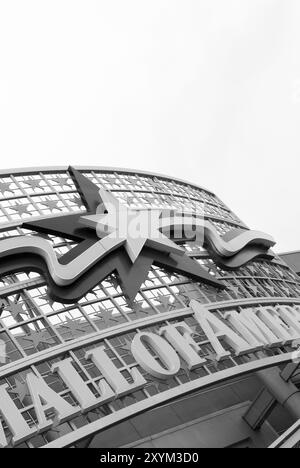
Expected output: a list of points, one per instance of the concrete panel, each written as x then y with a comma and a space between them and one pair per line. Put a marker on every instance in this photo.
155, 421
219, 430
123, 433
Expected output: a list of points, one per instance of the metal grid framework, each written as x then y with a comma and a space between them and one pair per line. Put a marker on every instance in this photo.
38, 332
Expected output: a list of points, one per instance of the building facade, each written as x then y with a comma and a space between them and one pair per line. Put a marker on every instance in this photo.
292, 259
166, 339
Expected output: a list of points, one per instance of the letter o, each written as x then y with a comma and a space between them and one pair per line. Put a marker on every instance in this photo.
162, 348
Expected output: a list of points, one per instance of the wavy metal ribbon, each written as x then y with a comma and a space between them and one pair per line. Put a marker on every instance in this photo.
64, 275
222, 247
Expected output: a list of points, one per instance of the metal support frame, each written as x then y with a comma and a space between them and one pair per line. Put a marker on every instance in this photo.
278, 389
260, 409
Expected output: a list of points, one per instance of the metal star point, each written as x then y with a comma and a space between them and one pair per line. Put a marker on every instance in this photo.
114, 282
47, 298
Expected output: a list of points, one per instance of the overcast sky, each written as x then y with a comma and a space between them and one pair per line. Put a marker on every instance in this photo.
205, 90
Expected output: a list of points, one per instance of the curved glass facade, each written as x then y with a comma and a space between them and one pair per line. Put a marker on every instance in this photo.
36, 333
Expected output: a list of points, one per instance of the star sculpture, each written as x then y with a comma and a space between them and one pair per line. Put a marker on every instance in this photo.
51, 204
111, 180
33, 183
4, 187
37, 338
16, 309
139, 310
106, 317
61, 181
74, 327
20, 209
121, 242
164, 301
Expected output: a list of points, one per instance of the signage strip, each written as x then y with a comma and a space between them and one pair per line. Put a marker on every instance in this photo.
127, 327
163, 397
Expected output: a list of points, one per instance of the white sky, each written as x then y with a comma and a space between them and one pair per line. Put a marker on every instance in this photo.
205, 90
